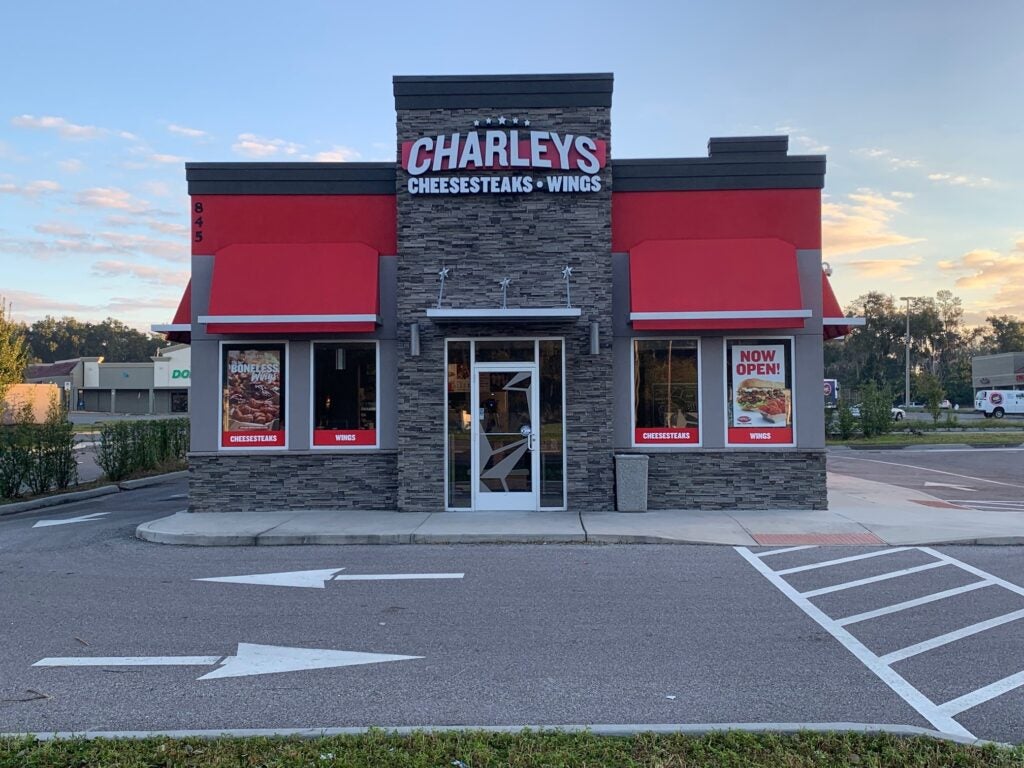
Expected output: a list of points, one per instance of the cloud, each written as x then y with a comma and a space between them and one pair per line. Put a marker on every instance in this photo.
31, 190
27, 302
902, 195
163, 227
336, 154
862, 224
62, 240
161, 158
998, 271
65, 128
893, 269
110, 197
59, 228
157, 188
71, 166
125, 304
960, 180
251, 145
192, 133
143, 272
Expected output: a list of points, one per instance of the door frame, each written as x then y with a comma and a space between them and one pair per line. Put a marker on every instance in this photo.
505, 501
443, 412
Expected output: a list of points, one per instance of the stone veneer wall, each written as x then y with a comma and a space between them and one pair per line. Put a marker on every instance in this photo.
791, 479
225, 483
484, 238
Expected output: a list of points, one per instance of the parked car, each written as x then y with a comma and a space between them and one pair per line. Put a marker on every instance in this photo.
898, 414
945, 404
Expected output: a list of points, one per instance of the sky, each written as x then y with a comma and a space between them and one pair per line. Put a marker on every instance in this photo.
918, 106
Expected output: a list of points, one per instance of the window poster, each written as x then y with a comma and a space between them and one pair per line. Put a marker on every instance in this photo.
252, 392
761, 397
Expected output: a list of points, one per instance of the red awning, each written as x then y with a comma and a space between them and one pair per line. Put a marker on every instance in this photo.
834, 324
180, 328
714, 285
294, 288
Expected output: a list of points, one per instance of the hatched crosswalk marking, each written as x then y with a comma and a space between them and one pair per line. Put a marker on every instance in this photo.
940, 714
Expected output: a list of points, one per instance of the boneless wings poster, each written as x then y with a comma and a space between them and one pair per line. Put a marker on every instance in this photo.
759, 393
253, 379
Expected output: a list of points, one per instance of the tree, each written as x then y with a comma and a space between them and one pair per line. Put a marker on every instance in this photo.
930, 388
1007, 335
13, 351
51, 339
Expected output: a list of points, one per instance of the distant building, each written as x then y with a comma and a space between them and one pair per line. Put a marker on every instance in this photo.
1004, 371
89, 384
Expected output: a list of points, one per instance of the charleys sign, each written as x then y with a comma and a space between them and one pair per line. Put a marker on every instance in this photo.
578, 159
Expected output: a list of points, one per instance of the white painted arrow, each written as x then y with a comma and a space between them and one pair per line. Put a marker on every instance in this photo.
930, 484
318, 579
66, 521
250, 659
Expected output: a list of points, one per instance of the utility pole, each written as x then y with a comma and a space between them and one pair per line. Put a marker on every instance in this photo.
906, 385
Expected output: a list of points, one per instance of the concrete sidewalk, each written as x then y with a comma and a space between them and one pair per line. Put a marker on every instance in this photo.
861, 512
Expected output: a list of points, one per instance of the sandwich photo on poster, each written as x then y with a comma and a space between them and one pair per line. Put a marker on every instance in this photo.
762, 403
252, 400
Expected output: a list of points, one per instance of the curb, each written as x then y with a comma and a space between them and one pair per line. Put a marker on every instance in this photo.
145, 482
103, 490
53, 501
610, 730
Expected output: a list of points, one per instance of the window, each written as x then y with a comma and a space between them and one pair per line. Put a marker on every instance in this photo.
666, 395
759, 381
345, 395
253, 396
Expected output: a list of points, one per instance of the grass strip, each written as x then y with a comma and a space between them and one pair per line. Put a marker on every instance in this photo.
478, 749
937, 438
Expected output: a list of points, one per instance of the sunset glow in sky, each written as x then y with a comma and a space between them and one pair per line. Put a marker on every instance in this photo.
917, 105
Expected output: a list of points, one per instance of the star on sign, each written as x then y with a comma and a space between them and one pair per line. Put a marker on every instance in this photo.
444, 272
515, 121
505, 283
476, 123
526, 123
501, 120
488, 121
567, 272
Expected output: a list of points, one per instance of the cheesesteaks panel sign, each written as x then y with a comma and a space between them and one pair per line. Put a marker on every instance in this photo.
762, 404
252, 387
579, 158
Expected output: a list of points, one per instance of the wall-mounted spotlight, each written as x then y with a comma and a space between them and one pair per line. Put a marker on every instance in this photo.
414, 339
595, 338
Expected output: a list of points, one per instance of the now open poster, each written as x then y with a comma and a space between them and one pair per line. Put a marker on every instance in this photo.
762, 404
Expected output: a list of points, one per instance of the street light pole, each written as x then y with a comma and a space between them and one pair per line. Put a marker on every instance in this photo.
906, 384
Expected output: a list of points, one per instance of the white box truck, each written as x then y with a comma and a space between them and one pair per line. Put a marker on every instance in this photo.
999, 402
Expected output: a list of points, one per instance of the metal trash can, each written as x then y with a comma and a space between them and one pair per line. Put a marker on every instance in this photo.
631, 482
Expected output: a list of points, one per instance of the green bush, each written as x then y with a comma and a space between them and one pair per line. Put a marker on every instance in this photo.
15, 453
37, 457
130, 447
846, 422
875, 411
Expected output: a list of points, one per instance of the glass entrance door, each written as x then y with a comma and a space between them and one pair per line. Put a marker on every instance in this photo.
506, 435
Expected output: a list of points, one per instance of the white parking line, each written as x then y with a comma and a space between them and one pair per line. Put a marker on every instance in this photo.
939, 715
912, 603
980, 696
925, 706
950, 637
785, 549
841, 560
929, 469
976, 571
872, 579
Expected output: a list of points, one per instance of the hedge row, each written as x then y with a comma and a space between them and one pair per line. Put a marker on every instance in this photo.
37, 457
128, 447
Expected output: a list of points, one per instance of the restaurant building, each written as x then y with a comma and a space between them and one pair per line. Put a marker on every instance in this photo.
508, 315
